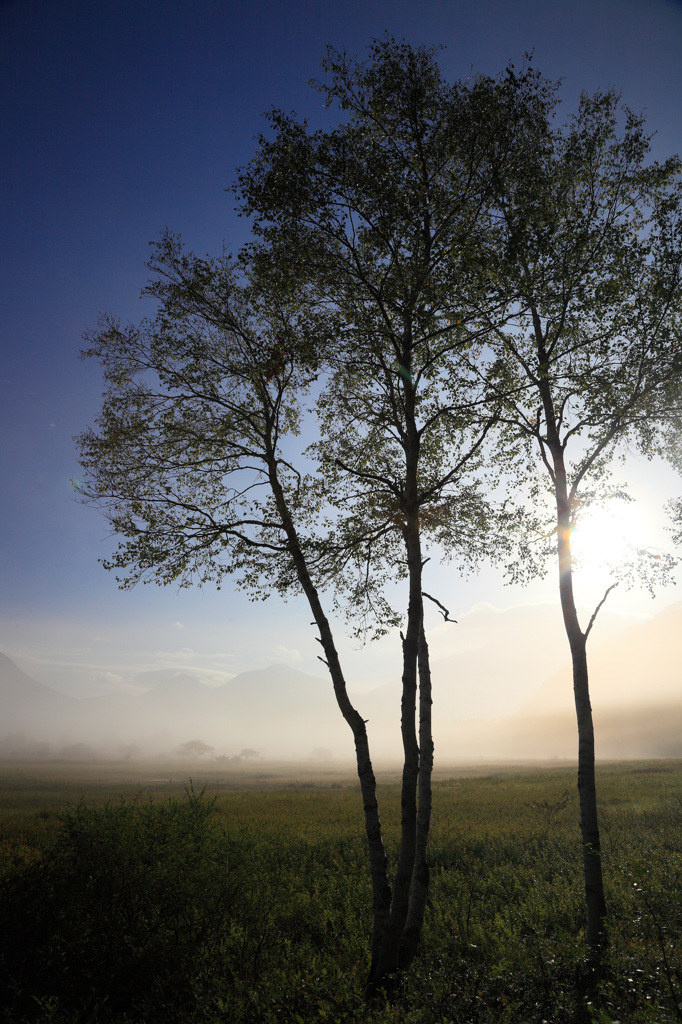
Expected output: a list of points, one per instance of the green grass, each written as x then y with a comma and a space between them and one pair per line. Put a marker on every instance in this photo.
251, 903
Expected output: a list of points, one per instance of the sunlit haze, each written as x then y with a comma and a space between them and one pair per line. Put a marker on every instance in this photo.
121, 119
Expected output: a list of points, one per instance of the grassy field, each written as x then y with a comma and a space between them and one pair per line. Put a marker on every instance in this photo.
132, 896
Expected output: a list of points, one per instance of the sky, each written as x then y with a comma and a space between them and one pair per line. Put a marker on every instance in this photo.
121, 118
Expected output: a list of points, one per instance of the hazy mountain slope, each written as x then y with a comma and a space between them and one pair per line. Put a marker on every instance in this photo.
636, 678
27, 704
279, 709
642, 666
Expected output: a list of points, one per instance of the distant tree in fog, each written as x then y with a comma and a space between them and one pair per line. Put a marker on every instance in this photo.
129, 751
194, 748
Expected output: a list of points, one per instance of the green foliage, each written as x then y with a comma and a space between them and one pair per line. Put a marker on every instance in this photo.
122, 909
589, 243
466, 290
253, 907
382, 220
188, 441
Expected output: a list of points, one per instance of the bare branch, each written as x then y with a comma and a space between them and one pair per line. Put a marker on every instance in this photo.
444, 612
598, 608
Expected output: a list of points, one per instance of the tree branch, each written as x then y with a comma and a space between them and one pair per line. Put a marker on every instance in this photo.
444, 612
597, 609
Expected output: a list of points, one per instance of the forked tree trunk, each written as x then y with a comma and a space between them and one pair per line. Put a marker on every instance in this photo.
410, 887
403, 927
389, 954
595, 900
420, 873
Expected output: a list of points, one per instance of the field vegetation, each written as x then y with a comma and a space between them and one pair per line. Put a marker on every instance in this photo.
131, 894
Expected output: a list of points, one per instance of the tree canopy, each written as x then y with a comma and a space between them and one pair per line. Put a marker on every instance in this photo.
589, 361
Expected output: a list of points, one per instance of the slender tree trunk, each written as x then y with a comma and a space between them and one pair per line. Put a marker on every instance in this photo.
420, 873
595, 899
389, 956
381, 890
589, 825
389, 959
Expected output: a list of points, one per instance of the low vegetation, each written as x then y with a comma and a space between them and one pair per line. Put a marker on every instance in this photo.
251, 903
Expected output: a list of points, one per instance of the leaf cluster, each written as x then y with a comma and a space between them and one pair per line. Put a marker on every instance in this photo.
197, 405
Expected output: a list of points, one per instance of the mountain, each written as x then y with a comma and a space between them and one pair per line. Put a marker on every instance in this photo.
23, 701
277, 710
636, 696
281, 712
642, 666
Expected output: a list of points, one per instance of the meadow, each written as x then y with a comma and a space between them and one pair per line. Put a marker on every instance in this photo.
130, 894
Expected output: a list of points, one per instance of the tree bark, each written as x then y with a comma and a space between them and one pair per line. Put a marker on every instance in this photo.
420, 873
389, 959
595, 900
389, 956
589, 824
381, 890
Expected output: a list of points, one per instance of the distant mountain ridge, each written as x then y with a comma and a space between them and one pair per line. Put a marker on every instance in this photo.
268, 707
18, 690
636, 685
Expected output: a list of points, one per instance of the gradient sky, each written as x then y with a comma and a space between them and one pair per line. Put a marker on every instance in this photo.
121, 117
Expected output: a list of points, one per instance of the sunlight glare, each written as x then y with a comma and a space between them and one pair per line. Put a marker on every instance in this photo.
605, 539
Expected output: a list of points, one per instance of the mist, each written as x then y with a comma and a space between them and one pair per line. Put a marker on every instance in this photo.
502, 691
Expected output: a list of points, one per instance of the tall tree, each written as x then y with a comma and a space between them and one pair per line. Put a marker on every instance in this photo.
370, 264
192, 464
384, 221
188, 465
588, 235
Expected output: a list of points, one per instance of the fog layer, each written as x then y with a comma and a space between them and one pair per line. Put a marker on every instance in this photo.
503, 691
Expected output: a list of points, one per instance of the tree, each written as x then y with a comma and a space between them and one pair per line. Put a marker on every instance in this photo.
367, 284
188, 466
248, 752
590, 250
383, 223
195, 748
441, 265
187, 463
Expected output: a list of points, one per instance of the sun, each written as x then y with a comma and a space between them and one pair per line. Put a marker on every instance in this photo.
605, 540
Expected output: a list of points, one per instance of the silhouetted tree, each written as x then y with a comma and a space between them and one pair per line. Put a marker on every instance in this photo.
187, 461
383, 224
441, 265
194, 748
367, 284
589, 244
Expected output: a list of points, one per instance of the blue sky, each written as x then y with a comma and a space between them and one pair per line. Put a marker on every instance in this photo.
121, 117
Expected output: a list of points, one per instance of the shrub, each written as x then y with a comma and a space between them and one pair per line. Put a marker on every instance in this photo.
126, 908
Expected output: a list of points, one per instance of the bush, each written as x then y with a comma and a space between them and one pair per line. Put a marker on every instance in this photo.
125, 909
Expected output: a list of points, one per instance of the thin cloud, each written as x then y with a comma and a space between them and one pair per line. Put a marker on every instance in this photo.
288, 653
